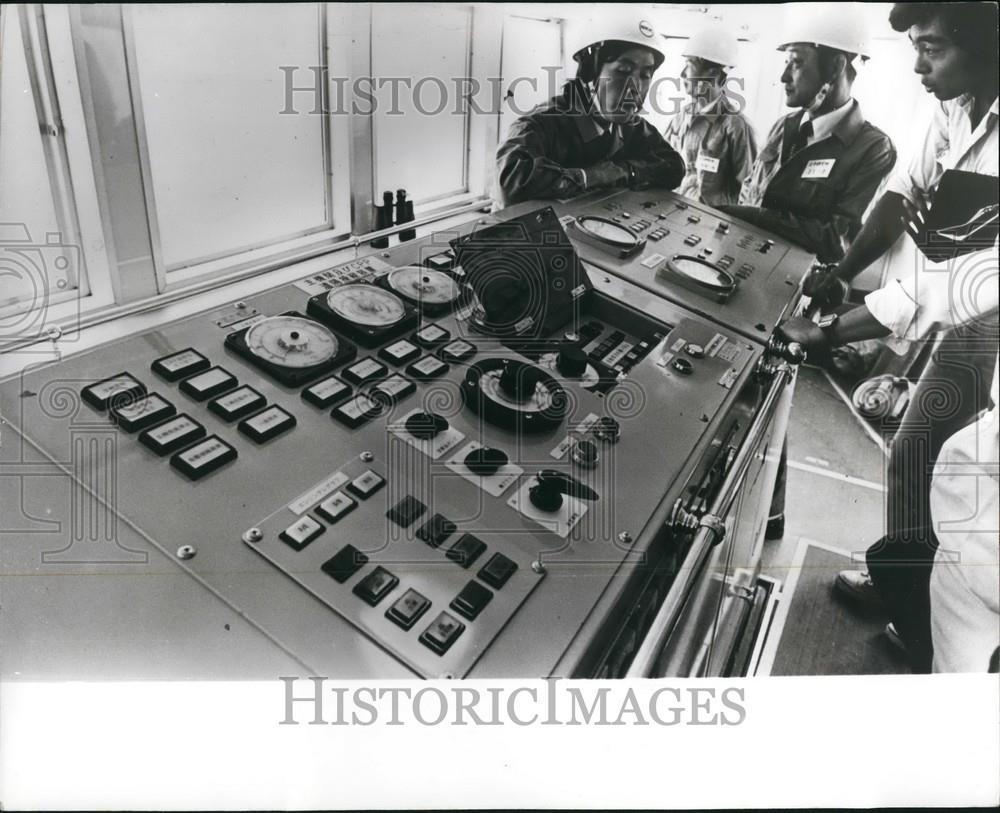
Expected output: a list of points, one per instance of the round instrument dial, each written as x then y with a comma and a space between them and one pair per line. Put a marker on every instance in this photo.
424, 285
607, 231
291, 341
366, 305
701, 271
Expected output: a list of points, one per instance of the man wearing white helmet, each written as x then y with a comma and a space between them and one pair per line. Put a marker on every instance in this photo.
820, 165
713, 136
591, 135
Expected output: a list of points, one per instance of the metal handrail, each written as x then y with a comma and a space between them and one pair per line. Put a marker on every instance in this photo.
711, 529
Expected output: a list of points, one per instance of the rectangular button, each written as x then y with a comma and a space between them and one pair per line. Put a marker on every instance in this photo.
442, 633
406, 511
431, 335
366, 484
344, 564
466, 550
142, 413
173, 435
497, 571
395, 388
470, 602
375, 586
357, 411
408, 609
304, 531
208, 384
327, 392
427, 368
459, 350
440, 262
237, 404
268, 424
203, 458
335, 506
436, 530
121, 386
399, 352
364, 371
180, 365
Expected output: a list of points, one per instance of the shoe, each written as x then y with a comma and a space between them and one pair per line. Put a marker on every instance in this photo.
893, 636
859, 587
775, 527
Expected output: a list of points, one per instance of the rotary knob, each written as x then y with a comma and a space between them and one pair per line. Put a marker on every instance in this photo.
572, 362
426, 425
485, 461
545, 496
517, 382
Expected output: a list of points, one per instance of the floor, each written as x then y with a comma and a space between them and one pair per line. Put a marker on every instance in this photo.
834, 511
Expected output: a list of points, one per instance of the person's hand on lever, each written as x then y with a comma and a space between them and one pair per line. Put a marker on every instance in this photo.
825, 286
807, 333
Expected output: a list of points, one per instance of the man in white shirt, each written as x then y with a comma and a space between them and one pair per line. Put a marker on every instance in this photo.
956, 47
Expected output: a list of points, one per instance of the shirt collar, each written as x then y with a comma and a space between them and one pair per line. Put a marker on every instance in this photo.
824, 125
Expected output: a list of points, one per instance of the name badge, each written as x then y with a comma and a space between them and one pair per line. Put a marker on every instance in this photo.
819, 169
706, 163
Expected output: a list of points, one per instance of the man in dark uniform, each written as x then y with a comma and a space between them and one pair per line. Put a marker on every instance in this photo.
591, 135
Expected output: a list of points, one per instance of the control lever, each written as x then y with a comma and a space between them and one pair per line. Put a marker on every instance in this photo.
547, 493
792, 352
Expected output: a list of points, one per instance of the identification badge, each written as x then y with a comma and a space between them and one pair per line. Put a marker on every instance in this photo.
706, 163
819, 169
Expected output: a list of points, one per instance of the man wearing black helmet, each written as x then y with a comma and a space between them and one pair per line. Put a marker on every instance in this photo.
591, 135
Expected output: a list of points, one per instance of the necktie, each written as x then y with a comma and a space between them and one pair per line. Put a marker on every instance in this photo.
802, 138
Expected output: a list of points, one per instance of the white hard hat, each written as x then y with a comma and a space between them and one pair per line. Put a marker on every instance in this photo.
826, 24
583, 36
714, 43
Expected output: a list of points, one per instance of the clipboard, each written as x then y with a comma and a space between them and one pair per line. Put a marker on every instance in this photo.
964, 216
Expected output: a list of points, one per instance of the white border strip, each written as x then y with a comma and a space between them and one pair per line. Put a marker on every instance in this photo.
836, 475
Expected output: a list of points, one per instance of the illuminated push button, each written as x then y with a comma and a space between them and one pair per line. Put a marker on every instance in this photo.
470, 602
458, 351
399, 352
327, 392
203, 458
301, 533
607, 429
696, 351
141, 413
357, 411
408, 609
237, 404
173, 435
442, 633
336, 506
121, 386
208, 384
497, 571
436, 530
427, 368
406, 511
344, 564
585, 454
365, 371
268, 424
431, 335
394, 388
366, 485
180, 365
375, 586
683, 366
466, 550
440, 262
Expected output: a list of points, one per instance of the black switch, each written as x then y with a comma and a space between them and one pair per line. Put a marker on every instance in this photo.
375, 586
442, 633
406, 511
470, 602
347, 561
466, 550
497, 571
407, 609
436, 530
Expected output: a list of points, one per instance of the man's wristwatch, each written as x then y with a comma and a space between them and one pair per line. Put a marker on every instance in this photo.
826, 323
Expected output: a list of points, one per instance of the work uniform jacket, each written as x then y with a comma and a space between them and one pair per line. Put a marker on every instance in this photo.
546, 149
817, 196
718, 148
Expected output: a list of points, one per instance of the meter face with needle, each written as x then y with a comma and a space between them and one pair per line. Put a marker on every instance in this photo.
291, 341
700, 271
366, 305
607, 230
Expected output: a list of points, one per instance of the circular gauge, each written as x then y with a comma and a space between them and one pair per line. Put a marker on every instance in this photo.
366, 305
607, 231
702, 272
424, 285
291, 341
